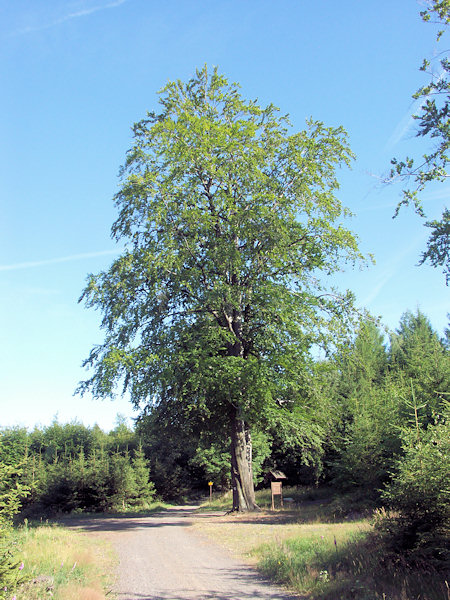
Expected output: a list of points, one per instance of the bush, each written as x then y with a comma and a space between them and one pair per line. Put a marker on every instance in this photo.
12, 491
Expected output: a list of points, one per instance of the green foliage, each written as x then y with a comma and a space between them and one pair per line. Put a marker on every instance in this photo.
418, 358
372, 392
10, 566
57, 474
261, 445
60, 491
298, 445
438, 245
183, 457
363, 363
214, 461
121, 438
57, 440
170, 447
420, 492
122, 480
12, 493
144, 490
392, 432
227, 219
363, 441
433, 123
99, 482
369, 443
14, 444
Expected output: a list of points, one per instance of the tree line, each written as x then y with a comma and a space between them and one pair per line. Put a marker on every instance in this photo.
70, 467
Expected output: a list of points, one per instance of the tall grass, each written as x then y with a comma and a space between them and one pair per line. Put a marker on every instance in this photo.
63, 564
346, 566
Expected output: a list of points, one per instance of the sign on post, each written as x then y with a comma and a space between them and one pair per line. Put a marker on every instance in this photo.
210, 483
276, 487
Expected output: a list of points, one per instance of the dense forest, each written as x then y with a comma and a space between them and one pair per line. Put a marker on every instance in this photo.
373, 424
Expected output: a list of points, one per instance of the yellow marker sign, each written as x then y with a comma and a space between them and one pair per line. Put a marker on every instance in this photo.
210, 482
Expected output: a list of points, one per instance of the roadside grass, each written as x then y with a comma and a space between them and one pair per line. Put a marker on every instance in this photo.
62, 564
353, 567
324, 548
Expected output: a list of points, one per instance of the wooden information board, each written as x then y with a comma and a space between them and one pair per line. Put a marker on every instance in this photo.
277, 490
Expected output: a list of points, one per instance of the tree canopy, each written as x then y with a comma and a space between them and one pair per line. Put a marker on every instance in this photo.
231, 226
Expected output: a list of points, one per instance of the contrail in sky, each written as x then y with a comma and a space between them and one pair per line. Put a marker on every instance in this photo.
393, 268
74, 15
53, 261
406, 123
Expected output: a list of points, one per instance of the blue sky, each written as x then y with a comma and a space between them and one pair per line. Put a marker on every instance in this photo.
75, 75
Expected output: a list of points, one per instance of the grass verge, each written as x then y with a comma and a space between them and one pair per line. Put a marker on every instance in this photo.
321, 550
353, 568
62, 564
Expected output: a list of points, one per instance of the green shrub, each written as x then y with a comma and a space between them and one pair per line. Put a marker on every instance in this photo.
420, 494
12, 491
10, 565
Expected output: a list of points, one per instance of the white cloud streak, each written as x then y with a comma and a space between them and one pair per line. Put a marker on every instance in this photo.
53, 261
74, 15
392, 269
406, 124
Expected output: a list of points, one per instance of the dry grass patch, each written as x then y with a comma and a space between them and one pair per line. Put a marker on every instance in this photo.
75, 592
64, 564
244, 534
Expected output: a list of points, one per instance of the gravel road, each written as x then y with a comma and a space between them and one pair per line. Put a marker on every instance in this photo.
161, 558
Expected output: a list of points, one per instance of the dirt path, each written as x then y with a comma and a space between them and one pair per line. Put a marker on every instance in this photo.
161, 558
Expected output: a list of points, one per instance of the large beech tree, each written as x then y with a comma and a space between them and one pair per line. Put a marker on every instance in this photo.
230, 222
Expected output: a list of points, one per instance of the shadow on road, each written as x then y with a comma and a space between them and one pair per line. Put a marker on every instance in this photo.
170, 565
170, 517
241, 584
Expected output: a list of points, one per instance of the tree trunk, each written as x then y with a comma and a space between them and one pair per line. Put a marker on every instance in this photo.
241, 466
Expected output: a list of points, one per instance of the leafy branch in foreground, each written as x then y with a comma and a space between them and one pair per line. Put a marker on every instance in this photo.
433, 123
